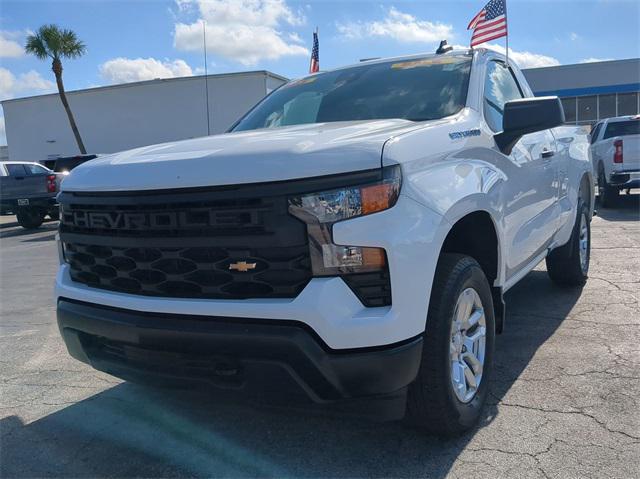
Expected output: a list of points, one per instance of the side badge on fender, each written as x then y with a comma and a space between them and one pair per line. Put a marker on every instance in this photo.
457, 135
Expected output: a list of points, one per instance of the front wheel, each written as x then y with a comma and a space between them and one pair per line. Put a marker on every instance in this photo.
449, 393
569, 264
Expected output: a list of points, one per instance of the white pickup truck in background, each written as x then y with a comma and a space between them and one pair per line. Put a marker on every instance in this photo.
615, 152
350, 238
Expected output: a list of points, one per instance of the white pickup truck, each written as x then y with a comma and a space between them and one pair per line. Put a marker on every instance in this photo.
615, 152
349, 238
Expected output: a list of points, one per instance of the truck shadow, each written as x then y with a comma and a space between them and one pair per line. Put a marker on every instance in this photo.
31, 235
626, 208
128, 430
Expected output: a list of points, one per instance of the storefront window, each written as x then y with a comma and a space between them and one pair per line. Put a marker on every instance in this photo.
569, 105
627, 104
587, 108
607, 106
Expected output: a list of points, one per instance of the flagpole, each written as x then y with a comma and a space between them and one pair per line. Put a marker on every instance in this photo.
206, 77
506, 19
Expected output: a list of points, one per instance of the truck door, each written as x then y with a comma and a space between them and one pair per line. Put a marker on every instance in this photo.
530, 194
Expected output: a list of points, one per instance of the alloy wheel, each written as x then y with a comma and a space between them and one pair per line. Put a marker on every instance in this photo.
468, 345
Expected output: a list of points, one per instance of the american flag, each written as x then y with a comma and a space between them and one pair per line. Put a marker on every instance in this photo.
314, 66
490, 23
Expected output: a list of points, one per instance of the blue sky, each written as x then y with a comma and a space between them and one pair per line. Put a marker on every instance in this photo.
145, 39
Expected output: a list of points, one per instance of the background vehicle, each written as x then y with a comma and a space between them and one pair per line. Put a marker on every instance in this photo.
29, 191
65, 164
352, 237
615, 152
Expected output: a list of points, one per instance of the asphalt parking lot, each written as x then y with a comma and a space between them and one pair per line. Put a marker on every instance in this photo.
564, 400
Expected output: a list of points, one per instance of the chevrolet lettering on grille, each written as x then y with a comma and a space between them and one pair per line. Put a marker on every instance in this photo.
161, 220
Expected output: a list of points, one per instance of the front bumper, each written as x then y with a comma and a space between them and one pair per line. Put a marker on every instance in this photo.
246, 354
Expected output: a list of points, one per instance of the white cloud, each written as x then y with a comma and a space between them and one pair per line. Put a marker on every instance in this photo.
126, 70
574, 36
526, 59
399, 26
25, 83
9, 44
246, 31
594, 60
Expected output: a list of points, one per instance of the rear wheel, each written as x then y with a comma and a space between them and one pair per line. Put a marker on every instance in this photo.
569, 264
448, 396
29, 218
608, 194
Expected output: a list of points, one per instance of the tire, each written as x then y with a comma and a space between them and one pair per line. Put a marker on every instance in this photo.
568, 265
433, 403
29, 218
608, 194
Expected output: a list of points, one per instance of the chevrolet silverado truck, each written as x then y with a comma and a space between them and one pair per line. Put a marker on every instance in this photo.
615, 152
350, 238
28, 190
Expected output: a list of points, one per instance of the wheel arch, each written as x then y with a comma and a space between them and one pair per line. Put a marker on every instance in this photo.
476, 234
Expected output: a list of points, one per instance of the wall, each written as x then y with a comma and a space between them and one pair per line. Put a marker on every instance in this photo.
126, 116
591, 91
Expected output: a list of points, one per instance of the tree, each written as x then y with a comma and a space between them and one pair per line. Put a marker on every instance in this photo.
50, 41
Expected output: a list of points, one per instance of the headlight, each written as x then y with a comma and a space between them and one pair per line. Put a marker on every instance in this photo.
321, 210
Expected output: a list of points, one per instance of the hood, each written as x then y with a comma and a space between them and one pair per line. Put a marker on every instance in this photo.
242, 157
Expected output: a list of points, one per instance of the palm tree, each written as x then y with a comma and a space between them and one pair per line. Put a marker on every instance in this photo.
50, 41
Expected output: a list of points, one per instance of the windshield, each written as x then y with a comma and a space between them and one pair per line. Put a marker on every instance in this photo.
419, 89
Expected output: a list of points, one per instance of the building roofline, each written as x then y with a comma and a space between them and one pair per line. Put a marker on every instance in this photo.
150, 82
572, 66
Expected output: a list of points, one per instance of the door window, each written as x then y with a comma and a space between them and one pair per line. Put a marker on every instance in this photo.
16, 170
500, 87
36, 170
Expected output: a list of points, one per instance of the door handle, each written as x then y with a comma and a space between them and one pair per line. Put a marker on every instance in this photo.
19, 177
547, 153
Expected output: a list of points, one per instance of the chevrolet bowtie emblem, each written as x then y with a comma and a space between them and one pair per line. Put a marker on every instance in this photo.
242, 266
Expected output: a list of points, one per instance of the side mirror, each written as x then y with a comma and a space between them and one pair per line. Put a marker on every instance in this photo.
528, 115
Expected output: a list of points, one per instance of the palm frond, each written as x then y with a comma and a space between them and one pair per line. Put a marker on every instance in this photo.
52, 41
36, 46
71, 47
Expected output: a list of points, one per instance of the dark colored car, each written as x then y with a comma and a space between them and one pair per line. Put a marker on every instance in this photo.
29, 191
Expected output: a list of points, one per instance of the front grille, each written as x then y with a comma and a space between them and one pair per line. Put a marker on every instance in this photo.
191, 272
182, 243
224, 244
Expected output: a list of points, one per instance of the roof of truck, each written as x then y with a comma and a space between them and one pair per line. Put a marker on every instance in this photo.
416, 56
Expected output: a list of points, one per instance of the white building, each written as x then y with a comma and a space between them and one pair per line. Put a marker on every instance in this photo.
121, 117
